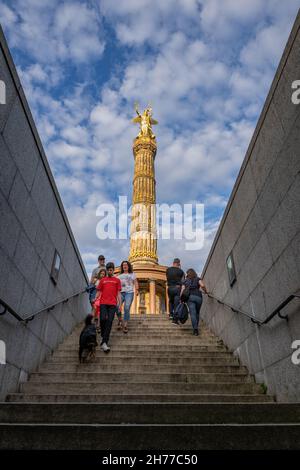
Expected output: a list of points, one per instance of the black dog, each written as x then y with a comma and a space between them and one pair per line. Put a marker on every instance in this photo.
88, 341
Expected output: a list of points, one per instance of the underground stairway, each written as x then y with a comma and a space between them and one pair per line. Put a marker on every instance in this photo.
159, 387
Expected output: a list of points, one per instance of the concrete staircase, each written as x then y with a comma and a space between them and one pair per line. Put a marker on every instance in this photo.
158, 388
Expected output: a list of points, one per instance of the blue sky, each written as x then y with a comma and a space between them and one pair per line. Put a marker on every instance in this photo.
205, 66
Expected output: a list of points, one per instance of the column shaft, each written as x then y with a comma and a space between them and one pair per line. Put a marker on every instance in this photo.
152, 296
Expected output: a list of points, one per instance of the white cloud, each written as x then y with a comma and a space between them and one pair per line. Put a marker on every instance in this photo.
265, 49
55, 31
8, 16
72, 155
168, 249
176, 80
224, 20
139, 21
77, 29
76, 134
108, 123
43, 75
204, 66
215, 200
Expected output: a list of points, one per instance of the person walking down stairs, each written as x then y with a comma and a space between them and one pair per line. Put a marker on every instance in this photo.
129, 285
94, 277
109, 292
96, 302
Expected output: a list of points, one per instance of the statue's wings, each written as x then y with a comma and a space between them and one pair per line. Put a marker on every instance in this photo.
153, 121
137, 119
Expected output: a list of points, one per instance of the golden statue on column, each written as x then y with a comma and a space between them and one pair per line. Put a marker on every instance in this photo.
143, 234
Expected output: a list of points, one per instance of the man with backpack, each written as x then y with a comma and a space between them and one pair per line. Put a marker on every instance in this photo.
175, 277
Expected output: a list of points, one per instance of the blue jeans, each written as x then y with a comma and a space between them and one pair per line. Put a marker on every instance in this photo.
107, 314
194, 304
92, 292
127, 297
174, 297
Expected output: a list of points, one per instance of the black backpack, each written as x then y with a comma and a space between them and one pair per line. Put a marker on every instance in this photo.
185, 294
190, 285
182, 312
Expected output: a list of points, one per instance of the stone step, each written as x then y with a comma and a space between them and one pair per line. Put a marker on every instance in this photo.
163, 318
183, 359
158, 339
157, 327
170, 327
136, 377
139, 398
149, 317
77, 387
152, 344
114, 358
139, 367
140, 330
142, 437
187, 327
153, 325
153, 348
151, 413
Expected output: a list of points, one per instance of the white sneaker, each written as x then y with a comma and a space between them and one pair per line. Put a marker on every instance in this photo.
105, 347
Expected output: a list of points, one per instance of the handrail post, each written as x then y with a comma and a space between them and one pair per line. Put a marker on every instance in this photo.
4, 311
284, 317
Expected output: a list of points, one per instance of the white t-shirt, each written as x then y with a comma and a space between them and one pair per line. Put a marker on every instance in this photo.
127, 282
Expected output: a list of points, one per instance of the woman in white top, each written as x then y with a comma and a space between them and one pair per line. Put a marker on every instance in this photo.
129, 284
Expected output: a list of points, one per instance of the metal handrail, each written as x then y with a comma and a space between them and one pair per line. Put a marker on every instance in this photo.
275, 312
30, 317
8, 309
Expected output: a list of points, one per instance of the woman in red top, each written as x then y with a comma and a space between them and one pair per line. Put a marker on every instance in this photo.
96, 302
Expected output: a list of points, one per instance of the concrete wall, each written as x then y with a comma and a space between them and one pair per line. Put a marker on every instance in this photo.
261, 226
33, 224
